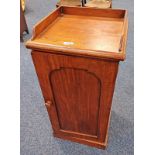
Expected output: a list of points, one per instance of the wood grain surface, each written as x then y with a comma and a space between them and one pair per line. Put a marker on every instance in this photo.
84, 31
76, 54
104, 4
80, 92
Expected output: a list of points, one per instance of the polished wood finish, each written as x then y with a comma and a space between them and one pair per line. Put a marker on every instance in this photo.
99, 4
22, 4
77, 69
79, 93
66, 31
92, 3
69, 3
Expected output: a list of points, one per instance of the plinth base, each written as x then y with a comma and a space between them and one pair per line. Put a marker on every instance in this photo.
82, 141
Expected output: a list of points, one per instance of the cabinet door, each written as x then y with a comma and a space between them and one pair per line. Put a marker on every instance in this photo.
78, 94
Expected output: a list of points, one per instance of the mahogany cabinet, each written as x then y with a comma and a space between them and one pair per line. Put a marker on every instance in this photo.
76, 54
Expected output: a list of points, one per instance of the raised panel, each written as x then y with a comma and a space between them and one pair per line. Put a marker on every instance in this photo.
77, 98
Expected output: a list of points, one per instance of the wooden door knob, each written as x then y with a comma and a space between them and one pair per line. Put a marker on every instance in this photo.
48, 103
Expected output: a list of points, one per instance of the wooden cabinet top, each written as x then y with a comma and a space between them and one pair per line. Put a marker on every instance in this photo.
93, 32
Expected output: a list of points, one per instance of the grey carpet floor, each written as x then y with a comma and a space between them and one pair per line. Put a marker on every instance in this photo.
36, 137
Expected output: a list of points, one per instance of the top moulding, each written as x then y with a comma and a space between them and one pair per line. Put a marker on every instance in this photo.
94, 32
